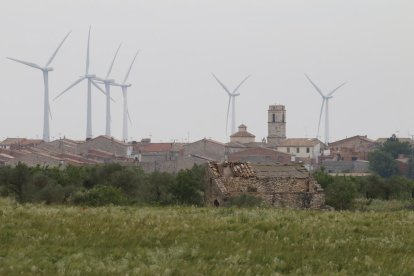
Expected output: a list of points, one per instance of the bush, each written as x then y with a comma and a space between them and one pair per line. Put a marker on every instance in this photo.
341, 193
99, 195
245, 200
187, 187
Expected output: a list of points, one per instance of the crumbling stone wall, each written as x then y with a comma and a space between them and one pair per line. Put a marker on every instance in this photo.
225, 182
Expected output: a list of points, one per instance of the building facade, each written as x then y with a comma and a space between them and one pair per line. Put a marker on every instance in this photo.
276, 124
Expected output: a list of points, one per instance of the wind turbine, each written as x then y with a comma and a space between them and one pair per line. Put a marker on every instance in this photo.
46, 105
232, 101
90, 78
108, 82
325, 101
124, 87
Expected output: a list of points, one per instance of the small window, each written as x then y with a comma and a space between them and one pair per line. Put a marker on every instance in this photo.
288, 150
273, 118
307, 150
297, 150
283, 118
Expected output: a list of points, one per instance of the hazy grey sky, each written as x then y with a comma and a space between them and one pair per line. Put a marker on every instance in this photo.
368, 43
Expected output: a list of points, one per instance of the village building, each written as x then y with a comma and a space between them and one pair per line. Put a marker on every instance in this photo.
278, 185
260, 155
353, 148
105, 143
242, 136
19, 143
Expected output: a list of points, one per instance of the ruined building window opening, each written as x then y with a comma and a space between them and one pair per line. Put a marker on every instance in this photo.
297, 150
307, 150
288, 150
216, 203
273, 118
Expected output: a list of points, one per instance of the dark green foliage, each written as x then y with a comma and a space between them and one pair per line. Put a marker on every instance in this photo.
99, 195
18, 178
158, 188
245, 200
396, 187
394, 147
382, 163
102, 183
341, 193
323, 178
187, 187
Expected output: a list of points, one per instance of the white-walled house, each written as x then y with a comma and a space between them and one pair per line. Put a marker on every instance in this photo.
301, 147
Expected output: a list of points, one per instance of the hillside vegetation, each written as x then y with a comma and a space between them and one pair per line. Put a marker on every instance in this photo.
120, 240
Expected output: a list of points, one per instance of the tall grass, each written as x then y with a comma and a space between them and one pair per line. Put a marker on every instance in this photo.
113, 240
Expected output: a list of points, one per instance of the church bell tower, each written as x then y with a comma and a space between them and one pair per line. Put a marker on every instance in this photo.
276, 124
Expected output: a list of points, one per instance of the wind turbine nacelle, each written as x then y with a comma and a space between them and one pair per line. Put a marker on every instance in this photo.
110, 80
90, 76
48, 69
237, 94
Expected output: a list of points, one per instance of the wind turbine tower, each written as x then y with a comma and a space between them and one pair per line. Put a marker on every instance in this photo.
325, 101
90, 78
232, 102
108, 83
126, 115
46, 105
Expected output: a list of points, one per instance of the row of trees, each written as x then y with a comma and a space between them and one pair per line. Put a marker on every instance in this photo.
99, 185
342, 190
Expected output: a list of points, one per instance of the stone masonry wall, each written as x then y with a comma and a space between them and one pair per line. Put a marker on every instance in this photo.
275, 191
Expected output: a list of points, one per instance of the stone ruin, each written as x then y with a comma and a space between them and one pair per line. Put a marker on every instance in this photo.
278, 185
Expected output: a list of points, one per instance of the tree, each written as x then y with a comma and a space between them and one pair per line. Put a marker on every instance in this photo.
382, 163
19, 177
394, 147
188, 185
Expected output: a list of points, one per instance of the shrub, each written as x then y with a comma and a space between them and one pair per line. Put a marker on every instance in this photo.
99, 195
341, 193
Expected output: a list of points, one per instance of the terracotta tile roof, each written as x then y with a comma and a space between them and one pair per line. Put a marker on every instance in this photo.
259, 151
112, 139
278, 170
242, 134
299, 142
235, 145
26, 142
156, 147
208, 140
11, 141
363, 138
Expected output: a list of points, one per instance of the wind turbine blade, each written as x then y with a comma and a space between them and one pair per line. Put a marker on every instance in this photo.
227, 119
112, 64
54, 54
333, 91
130, 67
129, 117
314, 85
320, 117
69, 87
87, 51
50, 111
222, 85
238, 86
99, 88
31, 64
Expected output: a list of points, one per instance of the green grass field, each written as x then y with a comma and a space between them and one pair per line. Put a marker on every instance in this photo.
62, 240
